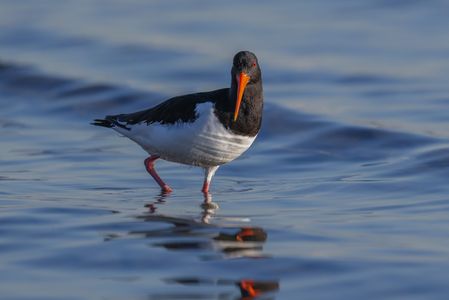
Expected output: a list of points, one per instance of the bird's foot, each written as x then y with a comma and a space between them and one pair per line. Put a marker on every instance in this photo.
166, 189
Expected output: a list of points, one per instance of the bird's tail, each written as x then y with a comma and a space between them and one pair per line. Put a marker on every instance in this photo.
110, 122
103, 122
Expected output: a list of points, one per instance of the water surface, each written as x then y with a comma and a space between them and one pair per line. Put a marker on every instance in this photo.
344, 194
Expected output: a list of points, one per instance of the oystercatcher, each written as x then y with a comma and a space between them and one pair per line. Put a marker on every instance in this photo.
204, 129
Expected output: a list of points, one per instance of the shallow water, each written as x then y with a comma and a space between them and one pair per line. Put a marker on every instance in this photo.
343, 195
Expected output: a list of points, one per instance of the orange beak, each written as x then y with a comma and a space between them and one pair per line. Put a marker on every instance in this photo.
242, 81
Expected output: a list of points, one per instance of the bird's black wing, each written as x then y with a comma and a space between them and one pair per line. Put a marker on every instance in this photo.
174, 110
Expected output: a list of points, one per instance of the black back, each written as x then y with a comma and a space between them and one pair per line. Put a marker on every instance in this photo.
174, 110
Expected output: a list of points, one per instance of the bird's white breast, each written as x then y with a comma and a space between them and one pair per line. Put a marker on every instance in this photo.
204, 142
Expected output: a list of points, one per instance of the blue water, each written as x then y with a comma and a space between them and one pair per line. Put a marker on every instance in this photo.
344, 195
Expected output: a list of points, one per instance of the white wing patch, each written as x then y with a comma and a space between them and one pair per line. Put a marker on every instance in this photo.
204, 142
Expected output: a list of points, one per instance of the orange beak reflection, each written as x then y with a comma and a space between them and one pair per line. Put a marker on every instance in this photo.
242, 81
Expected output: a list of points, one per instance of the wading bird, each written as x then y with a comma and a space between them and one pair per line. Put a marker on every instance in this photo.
205, 129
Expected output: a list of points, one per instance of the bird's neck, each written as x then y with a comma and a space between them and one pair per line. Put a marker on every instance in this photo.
250, 113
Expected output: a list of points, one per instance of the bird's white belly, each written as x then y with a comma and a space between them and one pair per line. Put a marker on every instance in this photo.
204, 142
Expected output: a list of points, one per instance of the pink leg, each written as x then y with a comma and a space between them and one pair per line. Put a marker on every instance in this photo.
205, 188
149, 165
208, 174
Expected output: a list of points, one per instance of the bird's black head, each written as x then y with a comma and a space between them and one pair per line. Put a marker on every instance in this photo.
245, 71
246, 62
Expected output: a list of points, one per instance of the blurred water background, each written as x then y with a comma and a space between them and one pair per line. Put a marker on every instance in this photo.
344, 195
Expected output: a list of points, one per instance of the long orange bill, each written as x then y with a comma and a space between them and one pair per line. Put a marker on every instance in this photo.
242, 81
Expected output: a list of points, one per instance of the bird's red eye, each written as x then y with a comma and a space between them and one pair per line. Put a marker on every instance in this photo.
254, 64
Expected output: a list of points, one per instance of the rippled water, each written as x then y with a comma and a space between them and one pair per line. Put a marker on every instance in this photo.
344, 194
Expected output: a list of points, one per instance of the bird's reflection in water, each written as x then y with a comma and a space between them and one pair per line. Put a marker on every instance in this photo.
208, 207
232, 242
160, 199
215, 242
249, 289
